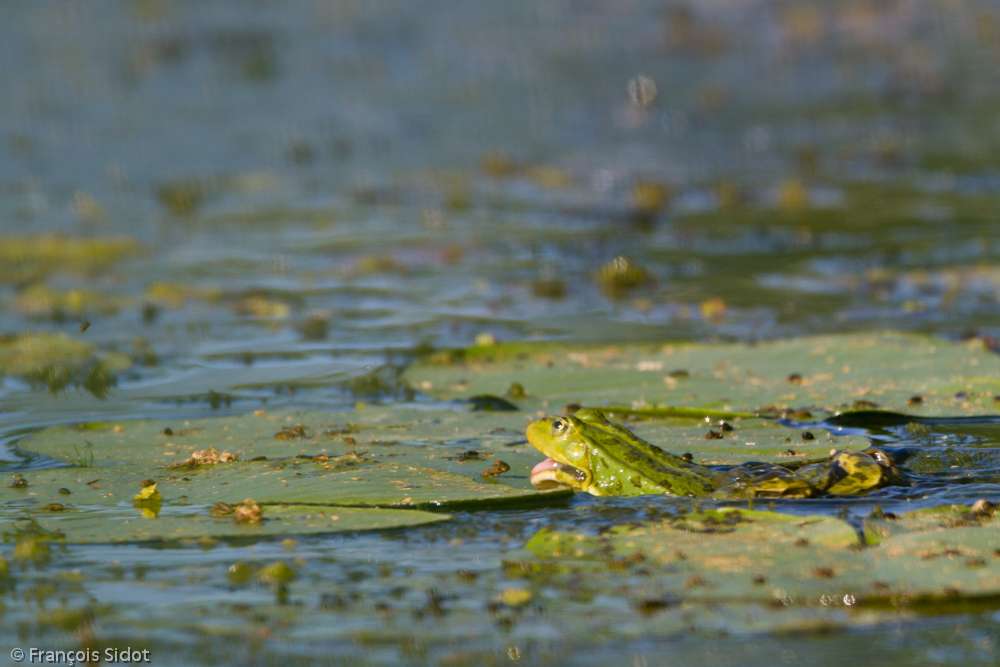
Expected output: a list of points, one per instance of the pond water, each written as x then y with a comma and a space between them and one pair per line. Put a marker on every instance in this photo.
307, 195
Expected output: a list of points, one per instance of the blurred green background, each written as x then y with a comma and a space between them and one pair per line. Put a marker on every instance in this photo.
253, 197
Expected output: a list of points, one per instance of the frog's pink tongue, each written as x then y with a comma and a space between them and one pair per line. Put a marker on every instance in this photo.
547, 464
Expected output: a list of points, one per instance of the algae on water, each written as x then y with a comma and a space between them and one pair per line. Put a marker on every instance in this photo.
31, 259
28, 353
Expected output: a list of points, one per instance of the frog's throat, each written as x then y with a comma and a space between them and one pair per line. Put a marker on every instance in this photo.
551, 474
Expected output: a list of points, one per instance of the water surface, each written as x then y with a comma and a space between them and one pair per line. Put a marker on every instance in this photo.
320, 190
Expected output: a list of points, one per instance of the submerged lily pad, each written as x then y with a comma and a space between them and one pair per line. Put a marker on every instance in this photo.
907, 373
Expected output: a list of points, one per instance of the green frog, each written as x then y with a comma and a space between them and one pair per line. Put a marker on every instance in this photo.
589, 453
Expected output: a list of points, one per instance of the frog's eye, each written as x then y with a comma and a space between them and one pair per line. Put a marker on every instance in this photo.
575, 452
882, 459
558, 426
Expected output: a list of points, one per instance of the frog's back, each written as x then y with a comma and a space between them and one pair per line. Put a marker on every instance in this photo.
655, 469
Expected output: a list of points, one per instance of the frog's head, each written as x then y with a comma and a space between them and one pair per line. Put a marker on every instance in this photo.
589, 453
565, 441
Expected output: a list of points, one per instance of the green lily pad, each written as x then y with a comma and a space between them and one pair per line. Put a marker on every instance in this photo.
878, 527
749, 440
122, 524
726, 554
958, 559
392, 484
461, 443
730, 555
392, 458
395, 484
285, 434
907, 373
623, 413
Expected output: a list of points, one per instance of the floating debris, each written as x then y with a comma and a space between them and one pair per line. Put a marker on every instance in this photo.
248, 512
205, 457
239, 572
297, 431
499, 468
222, 509
516, 391
514, 597
983, 506
182, 197
315, 327
549, 288
148, 494
490, 403
277, 573
619, 276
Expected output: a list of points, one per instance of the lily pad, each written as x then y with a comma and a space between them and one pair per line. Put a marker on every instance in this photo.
749, 440
462, 443
392, 458
120, 524
727, 554
957, 558
731, 554
391, 484
909, 373
397, 484
881, 526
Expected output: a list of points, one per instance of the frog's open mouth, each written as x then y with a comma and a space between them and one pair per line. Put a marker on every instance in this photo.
550, 474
